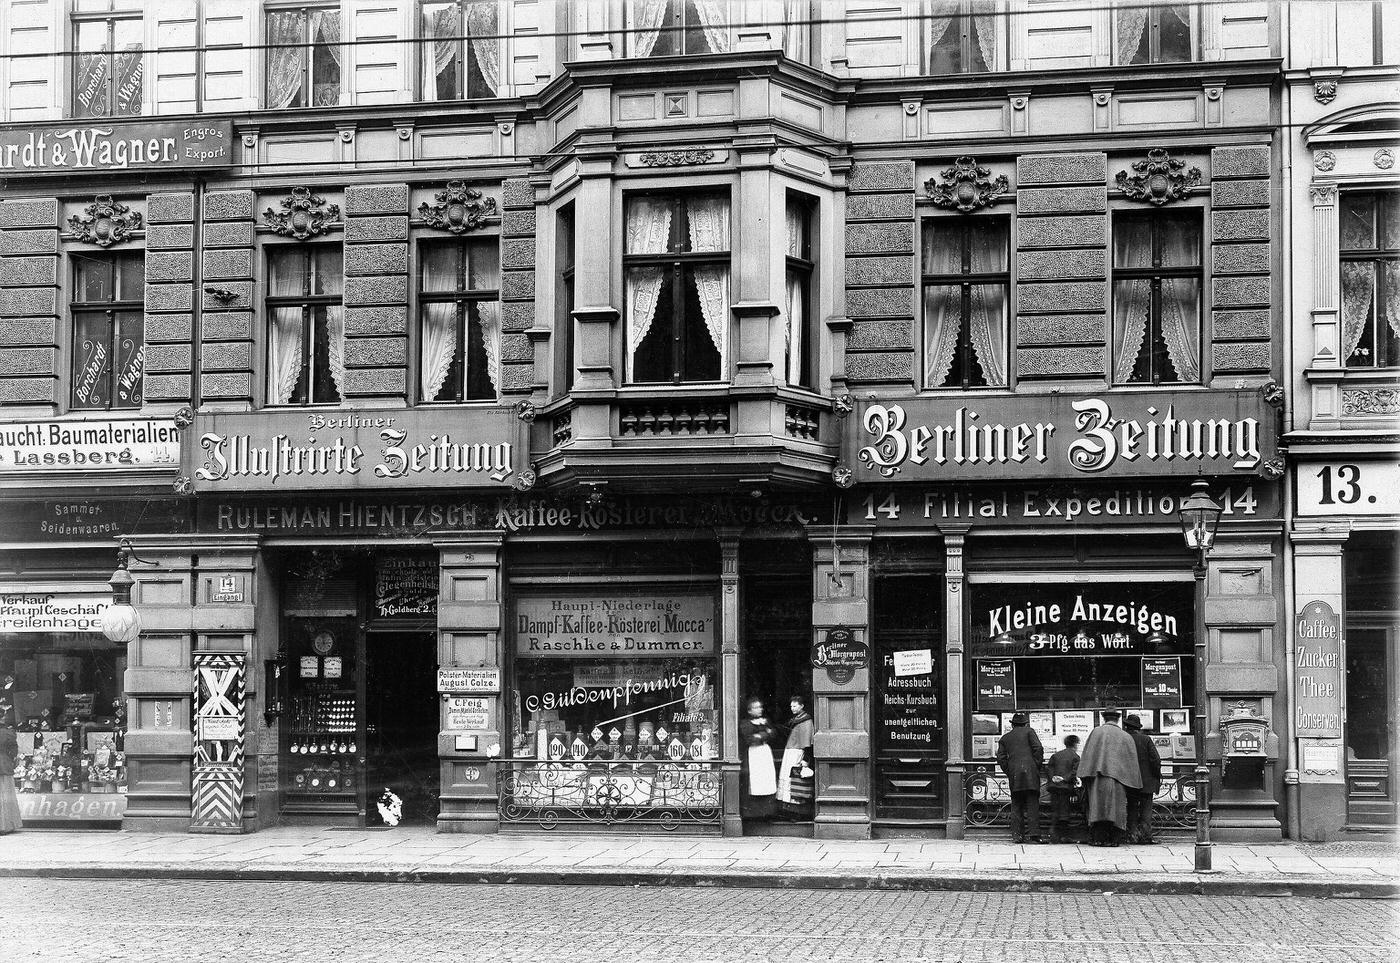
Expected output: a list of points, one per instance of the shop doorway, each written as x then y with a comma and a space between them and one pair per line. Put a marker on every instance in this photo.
1371, 750
401, 724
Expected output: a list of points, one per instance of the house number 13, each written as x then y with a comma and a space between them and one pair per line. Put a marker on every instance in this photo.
1341, 484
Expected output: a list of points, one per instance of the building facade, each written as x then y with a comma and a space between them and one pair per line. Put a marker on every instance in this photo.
497, 396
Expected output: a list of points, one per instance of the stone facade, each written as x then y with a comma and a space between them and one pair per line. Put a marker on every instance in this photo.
29, 311
228, 305
880, 282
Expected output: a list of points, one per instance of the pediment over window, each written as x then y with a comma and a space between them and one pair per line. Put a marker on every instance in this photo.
1356, 125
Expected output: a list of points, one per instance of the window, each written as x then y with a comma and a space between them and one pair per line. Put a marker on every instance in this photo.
565, 322
461, 53
966, 288
1370, 243
676, 266
799, 292
1154, 33
306, 328
107, 77
962, 37
460, 320
109, 339
667, 28
1157, 298
303, 57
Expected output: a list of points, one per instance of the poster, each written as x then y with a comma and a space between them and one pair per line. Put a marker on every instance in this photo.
1073, 722
1161, 682
1147, 717
1043, 724
984, 747
986, 724
406, 586
913, 662
1175, 720
996, 684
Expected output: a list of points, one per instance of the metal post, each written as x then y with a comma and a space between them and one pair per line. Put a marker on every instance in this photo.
1203, 847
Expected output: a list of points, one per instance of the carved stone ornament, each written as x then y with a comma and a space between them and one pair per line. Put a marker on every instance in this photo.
105, 222
843, 476
183, 417
182, 485
1272, 468
1371, 401
966, 186
526, 411
1272, 393
525, 480
1160, 179
303, 215
458, 209
1324, 160
676, 158
1384, 159
1324, 91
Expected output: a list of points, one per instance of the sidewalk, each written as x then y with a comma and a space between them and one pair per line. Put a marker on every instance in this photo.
1346, 869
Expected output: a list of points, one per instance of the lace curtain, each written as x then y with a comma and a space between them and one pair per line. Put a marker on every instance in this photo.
335, 347
1358, 296
1132, 300
648, 231
942, 308
441, 25
945, 14
796, 29
486, 275
325, 32
796, 320
647, 16
1131, 23
481, 28
286, 57
439, 333
709, 231
712, 22
285, 347
987, 324
1132, 303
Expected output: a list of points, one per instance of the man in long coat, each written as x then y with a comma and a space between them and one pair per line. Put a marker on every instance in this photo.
1020, 755
1150, 768
1108, 769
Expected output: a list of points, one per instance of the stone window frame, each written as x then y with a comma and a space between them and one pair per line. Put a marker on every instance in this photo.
1374, 255
77, 308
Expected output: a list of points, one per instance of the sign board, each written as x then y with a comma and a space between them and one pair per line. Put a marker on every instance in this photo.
840, 653
92, 519
213, 728
1208, 432
1070, 619
466, 720
108, 146
310, 666
40, 807
451, 679
1348, 488
1317, 672
35, 612
909, 715
996, 685
405, 585
614, 626
227, 589
277, 450
1161, 682
84, 447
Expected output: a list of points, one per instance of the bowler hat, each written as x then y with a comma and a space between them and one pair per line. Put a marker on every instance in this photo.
1132, 721
1020, 719
1111, 713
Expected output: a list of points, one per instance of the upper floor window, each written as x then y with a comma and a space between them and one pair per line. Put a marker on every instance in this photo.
108, 330
306, 327
1157, 297
1370, 245
666, 28
799, 293
962, 37
460, 320
461, 52
967, 284
303, 56
565, 257
1151, 33
107, 77
676, 272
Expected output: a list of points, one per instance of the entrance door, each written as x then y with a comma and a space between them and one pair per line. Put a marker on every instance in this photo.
1371, 748
401, 724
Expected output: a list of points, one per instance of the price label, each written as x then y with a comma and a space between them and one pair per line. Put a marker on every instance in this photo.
1348, 488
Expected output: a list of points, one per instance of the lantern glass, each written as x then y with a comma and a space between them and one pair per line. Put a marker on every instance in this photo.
121, 623
1200, 514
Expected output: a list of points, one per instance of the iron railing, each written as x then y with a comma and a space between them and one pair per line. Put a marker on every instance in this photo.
989, 800
664, 793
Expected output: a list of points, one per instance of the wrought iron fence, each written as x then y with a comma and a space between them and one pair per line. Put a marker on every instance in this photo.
988, 802
668, 794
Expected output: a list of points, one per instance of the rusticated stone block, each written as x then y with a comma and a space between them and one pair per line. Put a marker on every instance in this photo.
169, 208
879, 270
229, 263
1059, 362
174, 357
1239, 162
226, 356
230, 234
879, 176
874, 335
1240, 325
1057, 232
169, 265
1239, 194
372, 352
880, 302
227, 325
379, 382
1247, 356
518, 286
25, 271
875, 237
517, 377
517, 193
29, 361
28, 331
1067, 263
363, 259
168, 387
229, 384
38, 212
17, 391
1240, 292
28, 302
879, 207
1239, 258
516, 347
380, 228
1069, 296
378, 320
169, 327
169, 297
376, 199
518, 254
34, 241
170, 237
242, 299
1060, 329
378, 290
880, 366
518, 223
1061, 200
228, 205
517, 316
1240, 225
1091, 168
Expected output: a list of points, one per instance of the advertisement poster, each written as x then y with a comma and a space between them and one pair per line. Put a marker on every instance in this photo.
1161, 682
1073, 722
406, 586
996, 685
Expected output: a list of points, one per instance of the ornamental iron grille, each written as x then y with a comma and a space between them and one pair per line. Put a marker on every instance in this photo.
988, 798
1160, 179
670, 793
105, 222
303, 215
458, 209
966, 186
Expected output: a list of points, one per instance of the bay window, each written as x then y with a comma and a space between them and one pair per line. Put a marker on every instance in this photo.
460, 320
966, 285
798, 306
1157, 297
306, 326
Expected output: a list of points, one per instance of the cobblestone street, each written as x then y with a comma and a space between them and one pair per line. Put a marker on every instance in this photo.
195, 920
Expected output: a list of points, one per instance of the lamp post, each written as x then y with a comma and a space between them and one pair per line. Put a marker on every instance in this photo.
1200, 514
121, 623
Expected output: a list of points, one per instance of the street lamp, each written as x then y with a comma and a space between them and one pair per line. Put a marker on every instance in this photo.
1200, 514
121, 623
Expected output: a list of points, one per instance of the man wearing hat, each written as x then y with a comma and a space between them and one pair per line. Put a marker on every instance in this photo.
1109, 770
1019, 755
1150, 768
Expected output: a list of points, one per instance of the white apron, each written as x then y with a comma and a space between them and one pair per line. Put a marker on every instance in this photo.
792, 756
761, 775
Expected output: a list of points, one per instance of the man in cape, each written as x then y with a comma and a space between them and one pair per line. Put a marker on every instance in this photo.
1108, 768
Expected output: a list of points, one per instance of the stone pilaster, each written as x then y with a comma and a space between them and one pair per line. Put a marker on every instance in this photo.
169, 359
29, 328
227, 366
1242, 291
376, 293
880, 288
730, 603
954, 600
518, 258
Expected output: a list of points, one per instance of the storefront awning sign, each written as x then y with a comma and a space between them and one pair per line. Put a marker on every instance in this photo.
143, 145
44, 612
84, 447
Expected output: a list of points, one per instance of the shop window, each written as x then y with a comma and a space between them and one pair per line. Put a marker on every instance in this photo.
966, 282
799, 333
676, 270
108, 62
962, 37
1154, 33
668, 28
109, 339
1157, 298
1370, 270
461, 49
460, 320
306, 327
303, 56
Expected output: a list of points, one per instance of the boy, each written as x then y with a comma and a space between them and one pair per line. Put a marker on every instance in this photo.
1064, 777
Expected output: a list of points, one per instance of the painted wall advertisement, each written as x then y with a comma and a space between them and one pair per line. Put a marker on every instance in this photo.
35, 612
1317, 671
110, 146
617, 626
109, 445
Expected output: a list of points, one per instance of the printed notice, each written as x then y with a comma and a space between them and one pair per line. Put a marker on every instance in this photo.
913, 662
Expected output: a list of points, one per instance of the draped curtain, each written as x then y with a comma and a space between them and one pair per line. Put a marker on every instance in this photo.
441, 26
486, 275
285, 346
712, 22
335, 347
945, 15
481, 29
796, 29
647, 16
987, 324
1132, 300
648, 231
941, 17
942, 307
439, 333
1131, 20
1181, 330
796, 310
1358, 296
286, 56
709, 232
984, 25
325, 31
